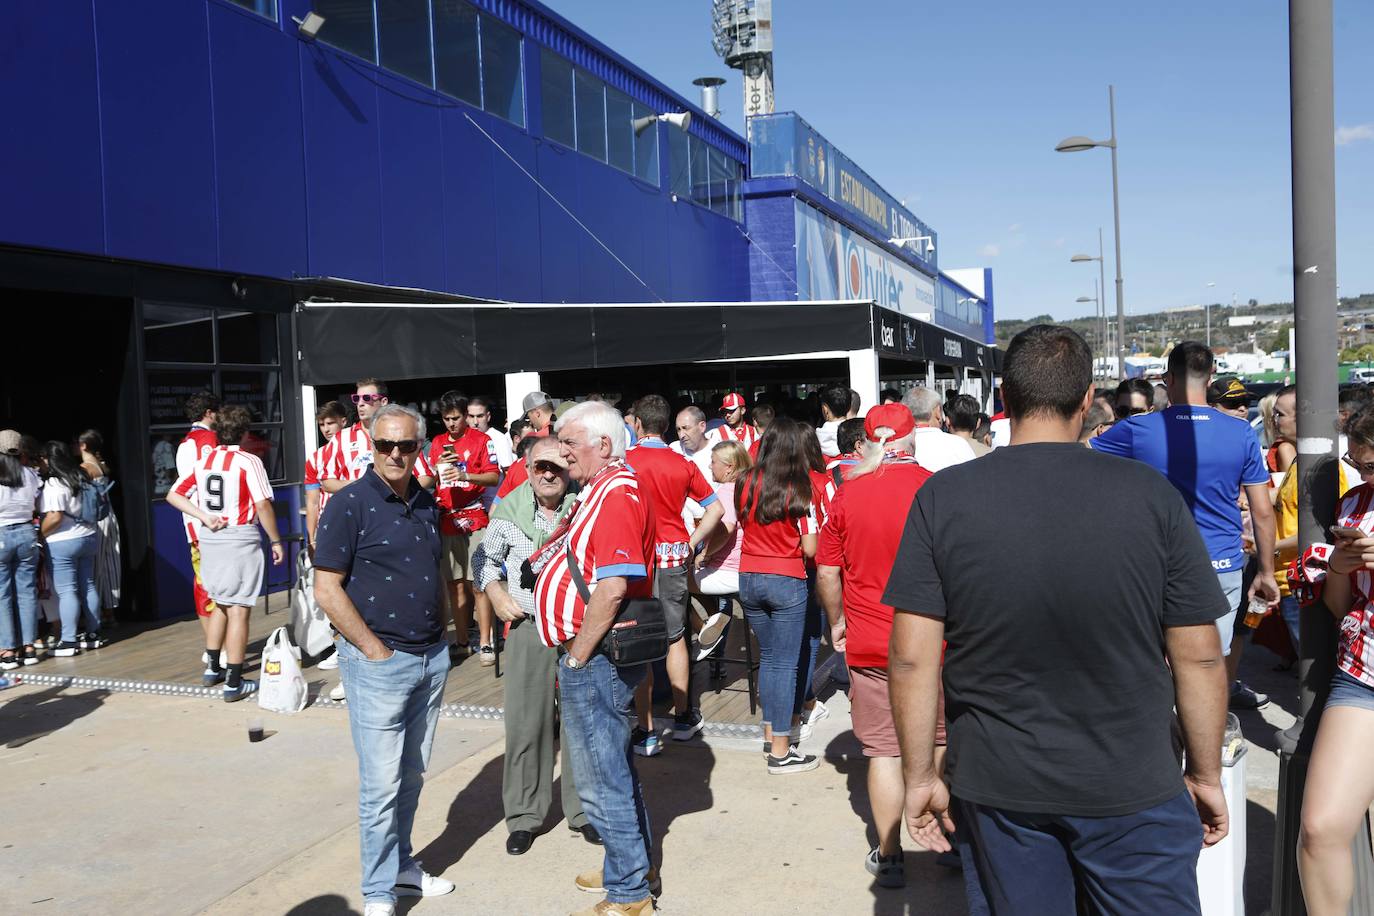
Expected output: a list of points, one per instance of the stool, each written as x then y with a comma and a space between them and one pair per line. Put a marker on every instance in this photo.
718, 659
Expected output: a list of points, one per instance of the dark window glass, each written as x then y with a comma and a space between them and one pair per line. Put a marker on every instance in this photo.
646, 147
556, 81
175, 334
260, 392
620, 133
403, 31
248, 337
265, 442
168, 390
679, 163
720, 181
591, 115
348, 26
456, 62
701, 172
503, 83
266, 8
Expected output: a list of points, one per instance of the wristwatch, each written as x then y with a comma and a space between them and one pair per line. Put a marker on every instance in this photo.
571, 661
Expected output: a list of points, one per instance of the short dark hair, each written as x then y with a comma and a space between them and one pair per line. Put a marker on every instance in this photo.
762, 414
481, 402
450, 401
962, 412
231, 423
1354, 398
889, 396
518, 427
855, 401
835, 398
1360, 427
199, 403
374, 382
1136, 386
849, 434
1049, 369
1191, 361
331, 409
653, 414
92, 441
522, 448
1096, 416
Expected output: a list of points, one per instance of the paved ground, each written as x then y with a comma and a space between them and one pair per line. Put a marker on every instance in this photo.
119, 802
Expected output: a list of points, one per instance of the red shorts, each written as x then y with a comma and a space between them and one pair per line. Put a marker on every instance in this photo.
870, 712
204, 606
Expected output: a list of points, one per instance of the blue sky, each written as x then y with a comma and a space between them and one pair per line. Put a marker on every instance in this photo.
956, 108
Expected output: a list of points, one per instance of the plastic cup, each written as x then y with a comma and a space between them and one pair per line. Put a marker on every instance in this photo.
255, 730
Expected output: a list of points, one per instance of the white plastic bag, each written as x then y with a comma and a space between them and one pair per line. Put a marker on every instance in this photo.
283, 686
309, 625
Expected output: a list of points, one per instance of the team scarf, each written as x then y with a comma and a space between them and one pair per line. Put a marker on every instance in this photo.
521, 508
557, 542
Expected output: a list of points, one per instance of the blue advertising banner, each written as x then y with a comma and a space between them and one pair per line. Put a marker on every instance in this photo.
835, 262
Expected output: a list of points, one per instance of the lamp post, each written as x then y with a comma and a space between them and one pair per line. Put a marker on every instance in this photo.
1077, 145
1096, 300
1207, 308
1102, 275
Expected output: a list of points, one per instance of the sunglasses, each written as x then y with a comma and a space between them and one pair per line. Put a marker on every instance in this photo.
1362, 468
1124, 412
547, 467
387, 446
367, 398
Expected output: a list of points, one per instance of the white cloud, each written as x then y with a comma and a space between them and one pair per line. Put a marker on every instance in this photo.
1014, 227
989, 251
1059, 243
1347, 135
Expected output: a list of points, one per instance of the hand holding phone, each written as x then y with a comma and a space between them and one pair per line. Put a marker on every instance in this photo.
1341, 532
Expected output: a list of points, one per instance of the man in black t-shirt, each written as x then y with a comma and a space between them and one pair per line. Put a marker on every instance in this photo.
1069, 642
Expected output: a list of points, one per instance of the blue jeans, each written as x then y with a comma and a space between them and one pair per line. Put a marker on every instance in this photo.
19, 555
393, 706
775, 607
1140, 864
596, 702
811, 643
73, 578
1291, 612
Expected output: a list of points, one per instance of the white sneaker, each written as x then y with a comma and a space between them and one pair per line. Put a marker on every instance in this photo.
817, 713
379, 909
330, 663
337, 694
414, 882
712, 632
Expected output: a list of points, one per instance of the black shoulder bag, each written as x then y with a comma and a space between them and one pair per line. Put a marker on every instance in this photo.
639, 633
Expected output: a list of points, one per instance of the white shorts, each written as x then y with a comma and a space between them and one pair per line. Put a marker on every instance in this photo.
712, 580
231, 565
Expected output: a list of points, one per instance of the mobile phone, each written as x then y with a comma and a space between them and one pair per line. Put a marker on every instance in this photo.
448, 453
1350, 534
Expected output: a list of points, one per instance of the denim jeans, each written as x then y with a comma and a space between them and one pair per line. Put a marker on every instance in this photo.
73, 578
775, 607
811, 643
18, 584
1291, 612
393, 706
596, 703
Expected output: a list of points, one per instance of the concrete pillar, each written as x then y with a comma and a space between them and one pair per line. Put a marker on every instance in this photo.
518, 384
311, 434
863, 377
930, 375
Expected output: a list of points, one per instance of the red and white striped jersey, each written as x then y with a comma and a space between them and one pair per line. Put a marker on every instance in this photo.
200, 439
311, 480
1355, 655
744, 434
228, 482
611, 533
349, 454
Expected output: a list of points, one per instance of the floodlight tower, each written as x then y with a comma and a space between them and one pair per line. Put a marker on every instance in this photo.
743, 35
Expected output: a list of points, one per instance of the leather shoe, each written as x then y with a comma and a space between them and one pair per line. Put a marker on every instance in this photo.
588, 833
519, 842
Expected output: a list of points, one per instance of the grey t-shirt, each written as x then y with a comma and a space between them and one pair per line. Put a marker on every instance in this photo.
1056, 570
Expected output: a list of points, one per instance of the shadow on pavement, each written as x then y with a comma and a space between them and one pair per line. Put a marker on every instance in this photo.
1260, 825
323, 905
30, 716
474, 811
676, 783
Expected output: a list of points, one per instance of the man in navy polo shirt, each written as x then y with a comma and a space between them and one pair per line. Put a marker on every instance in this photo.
377, 577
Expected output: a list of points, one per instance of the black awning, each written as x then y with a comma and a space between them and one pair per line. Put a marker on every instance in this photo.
897, 335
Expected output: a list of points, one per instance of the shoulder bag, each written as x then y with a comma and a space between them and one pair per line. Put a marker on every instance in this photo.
639, 633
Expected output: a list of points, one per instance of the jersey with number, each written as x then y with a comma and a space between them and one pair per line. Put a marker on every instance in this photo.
1355, 655
349, 454
200, 439
228, 482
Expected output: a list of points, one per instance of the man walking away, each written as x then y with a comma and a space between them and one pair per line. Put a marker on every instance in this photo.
935, 448
1060, 702
834, 411
201, 409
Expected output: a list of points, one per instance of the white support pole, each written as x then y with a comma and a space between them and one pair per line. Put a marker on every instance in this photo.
311, 432
518, 384
863, 377
930, 375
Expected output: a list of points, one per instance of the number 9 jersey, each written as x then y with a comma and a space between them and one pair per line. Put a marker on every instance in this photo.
228, 482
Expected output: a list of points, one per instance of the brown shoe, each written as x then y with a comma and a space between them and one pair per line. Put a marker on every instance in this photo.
606, 908
590, 881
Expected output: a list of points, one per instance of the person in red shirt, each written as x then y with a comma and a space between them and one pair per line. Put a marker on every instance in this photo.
732, 412
465, 461
858, 547
330, 418
201, 409
777, 515
669, 481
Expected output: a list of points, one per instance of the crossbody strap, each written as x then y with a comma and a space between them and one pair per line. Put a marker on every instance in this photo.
580, 583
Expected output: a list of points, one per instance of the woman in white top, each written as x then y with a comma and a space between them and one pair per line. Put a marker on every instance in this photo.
73, 543
716, 570
19, 553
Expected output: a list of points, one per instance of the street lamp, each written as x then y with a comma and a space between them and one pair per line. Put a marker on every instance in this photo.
1077, 145
1096, 300
1101, 272
1207, 308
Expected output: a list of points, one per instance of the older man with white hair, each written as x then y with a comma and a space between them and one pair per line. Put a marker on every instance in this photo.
586, 570
377, 575
934, 448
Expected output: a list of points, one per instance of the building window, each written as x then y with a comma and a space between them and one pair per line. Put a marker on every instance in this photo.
503, 86
680, 163
590, 97
646, 147
456, 62
264, 8
348, 26
701, 172
403, 32
556, 82
620, 132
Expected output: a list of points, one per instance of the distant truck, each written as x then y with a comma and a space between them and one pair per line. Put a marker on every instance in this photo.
1363, 376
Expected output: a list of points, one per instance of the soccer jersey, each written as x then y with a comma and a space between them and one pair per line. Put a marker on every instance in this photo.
774, 547
228, 482
460, 505
861, 536
744, 434
200, 439
668, 480
610, 533
349, 454
1355, 655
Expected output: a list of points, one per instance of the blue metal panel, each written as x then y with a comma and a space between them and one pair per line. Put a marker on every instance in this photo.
772, 223
517, 212
560, 237
156, 120
469, 196
412, 213
259, 145
989, 309
51, 158
342, 167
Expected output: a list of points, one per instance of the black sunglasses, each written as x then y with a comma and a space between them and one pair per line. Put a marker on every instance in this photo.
1124, 412
547, 467
387, 446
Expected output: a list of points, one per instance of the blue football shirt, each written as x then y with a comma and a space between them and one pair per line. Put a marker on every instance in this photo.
1208, 456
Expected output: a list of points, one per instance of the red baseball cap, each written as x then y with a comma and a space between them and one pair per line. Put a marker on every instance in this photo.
732, 400
895, 417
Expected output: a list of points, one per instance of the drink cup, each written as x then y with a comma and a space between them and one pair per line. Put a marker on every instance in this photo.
255, 730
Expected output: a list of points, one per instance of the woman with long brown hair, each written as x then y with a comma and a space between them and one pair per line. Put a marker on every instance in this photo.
773, 502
